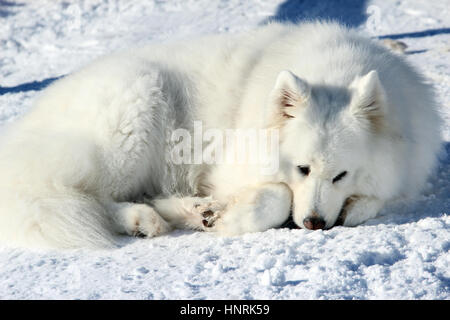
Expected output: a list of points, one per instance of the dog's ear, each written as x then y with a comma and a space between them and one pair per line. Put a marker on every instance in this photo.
289, 94
368, 102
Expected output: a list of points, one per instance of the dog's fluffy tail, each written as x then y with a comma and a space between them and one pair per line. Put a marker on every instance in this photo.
47, 183
64, 220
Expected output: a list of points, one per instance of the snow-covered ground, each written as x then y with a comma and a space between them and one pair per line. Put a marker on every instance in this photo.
402, 254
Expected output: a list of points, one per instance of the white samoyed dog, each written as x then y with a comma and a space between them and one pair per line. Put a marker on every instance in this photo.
108, 150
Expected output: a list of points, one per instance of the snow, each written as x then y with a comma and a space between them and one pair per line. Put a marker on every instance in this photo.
402, 254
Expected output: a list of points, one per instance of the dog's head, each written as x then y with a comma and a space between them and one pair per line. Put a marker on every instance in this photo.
328, 135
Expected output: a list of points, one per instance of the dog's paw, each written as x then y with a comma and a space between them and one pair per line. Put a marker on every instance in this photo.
208, 211
358, 209
144, 221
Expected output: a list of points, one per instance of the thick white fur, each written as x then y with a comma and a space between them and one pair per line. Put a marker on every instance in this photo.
91, 158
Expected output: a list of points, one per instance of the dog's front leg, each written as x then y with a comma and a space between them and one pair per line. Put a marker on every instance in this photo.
188, 212
254, 209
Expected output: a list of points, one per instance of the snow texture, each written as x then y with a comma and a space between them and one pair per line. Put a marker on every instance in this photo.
402, 254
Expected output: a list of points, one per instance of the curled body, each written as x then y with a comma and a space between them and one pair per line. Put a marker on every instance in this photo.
357, 127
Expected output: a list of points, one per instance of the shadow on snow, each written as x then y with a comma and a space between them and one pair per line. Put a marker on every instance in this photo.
417, 34
29, 86
348, 12
6, 6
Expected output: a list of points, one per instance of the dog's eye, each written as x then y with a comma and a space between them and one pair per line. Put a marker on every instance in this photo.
304, 170
339, 176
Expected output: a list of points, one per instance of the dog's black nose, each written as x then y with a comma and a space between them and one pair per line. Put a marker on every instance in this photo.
314, 223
